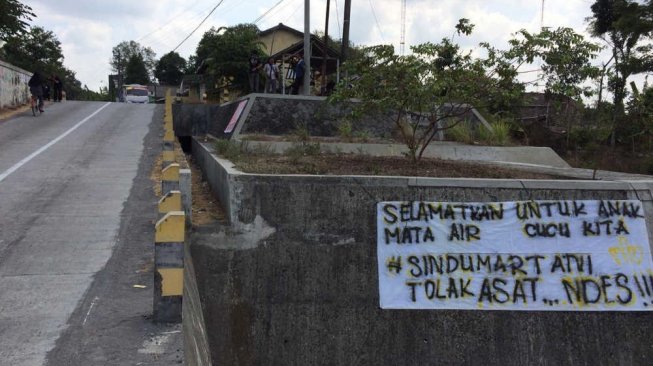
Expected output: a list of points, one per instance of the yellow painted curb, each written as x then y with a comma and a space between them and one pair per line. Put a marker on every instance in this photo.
172, 281
170, 202
171, 172
169, 136
167, 126
171, 227
168, 155
167, 118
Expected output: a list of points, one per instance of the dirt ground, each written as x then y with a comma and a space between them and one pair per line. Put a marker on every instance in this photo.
206, 208
349, 164
7, 113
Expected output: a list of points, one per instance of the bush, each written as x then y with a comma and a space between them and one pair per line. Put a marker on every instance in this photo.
462, 132
298, 150
230, 149
345, 130
586, 138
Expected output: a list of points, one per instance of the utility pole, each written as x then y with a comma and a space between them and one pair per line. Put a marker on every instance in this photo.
307, 47
326, 47
345, 32
402, 40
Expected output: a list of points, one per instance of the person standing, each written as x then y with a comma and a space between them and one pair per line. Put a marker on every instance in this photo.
58, 86
299, 70
271, 76
254, 67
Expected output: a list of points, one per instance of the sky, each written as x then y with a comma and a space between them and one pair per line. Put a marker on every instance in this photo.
88, 30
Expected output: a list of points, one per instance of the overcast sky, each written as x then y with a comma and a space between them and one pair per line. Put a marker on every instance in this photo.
89, 29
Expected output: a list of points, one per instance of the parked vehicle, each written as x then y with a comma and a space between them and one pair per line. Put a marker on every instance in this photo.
135, 93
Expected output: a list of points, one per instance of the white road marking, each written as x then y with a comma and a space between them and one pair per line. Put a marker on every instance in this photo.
89, 309
31, 156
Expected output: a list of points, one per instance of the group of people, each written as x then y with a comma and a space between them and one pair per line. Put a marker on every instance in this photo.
270, 71
39, 87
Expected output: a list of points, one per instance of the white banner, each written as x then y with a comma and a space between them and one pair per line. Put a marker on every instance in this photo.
530, 255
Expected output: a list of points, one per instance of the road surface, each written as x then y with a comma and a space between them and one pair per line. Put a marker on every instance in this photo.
76, 231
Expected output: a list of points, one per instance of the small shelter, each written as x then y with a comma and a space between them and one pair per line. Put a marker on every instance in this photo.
282, 43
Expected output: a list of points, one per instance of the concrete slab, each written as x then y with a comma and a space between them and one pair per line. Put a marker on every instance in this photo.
540, 156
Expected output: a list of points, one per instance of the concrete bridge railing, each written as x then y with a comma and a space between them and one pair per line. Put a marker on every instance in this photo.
14, 91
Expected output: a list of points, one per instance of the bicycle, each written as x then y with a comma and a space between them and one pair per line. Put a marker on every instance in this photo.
34, 104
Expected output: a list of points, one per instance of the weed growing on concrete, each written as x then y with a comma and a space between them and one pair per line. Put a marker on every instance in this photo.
345, 130
362, 136
499, 135
298, 150
462, 132
301, 132
228, 149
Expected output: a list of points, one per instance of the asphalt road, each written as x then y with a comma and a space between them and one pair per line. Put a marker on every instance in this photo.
76, 230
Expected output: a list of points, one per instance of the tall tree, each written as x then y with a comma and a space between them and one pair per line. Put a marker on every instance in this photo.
13, 18
123, 51
170, 69
224, 52
136, 71
566, 56
37, 50
624, 26
427, 91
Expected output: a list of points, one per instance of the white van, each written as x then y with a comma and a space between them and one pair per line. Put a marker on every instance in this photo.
136, 94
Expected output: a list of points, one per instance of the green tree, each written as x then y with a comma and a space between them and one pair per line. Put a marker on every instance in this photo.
13, 18
428, 90
224, 52
37, 50
191, 65
123, 52
566, 56
136, 71
623, 25
170, 69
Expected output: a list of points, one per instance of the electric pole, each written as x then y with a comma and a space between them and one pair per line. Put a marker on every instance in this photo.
326, 47
307, 47
345, 32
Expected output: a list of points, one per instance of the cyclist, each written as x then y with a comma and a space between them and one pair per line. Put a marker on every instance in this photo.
36, 88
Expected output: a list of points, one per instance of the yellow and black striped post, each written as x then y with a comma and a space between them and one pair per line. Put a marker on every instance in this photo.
169, 267
171, 201
170, 178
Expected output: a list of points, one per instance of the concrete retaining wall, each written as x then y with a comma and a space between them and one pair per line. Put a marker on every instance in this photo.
294, 279
14, 91
196, 347
274, 115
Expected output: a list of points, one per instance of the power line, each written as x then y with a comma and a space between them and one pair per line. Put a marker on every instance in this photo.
168, 22
293, 13
267, 12
377, 21
199, 25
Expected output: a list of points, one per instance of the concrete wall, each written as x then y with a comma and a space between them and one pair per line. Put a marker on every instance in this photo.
196, 348
13, 86
271, 114
200, 119
294, 281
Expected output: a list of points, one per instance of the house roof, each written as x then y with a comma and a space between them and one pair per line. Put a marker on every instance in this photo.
279, 27
317, 46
